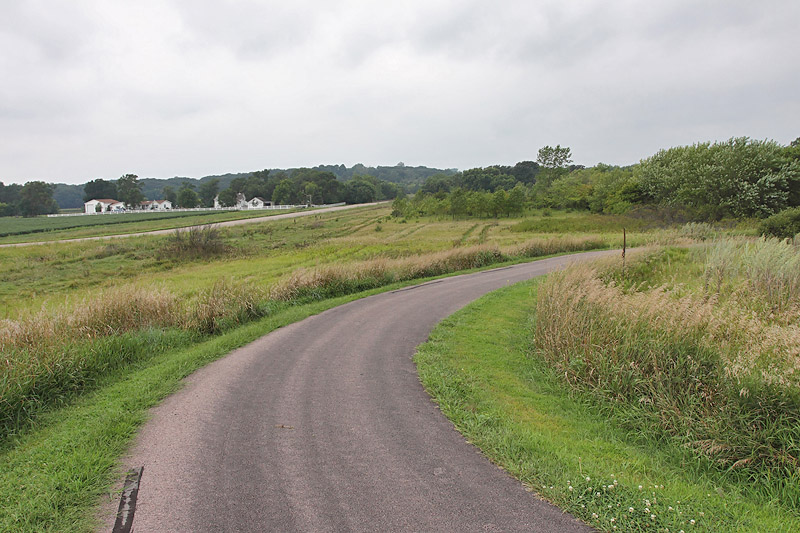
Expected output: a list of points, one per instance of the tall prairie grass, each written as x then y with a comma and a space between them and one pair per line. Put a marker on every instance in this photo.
52, 353
691, 367
764, 274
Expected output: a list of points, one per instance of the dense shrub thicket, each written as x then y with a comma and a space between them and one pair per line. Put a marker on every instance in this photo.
785, 225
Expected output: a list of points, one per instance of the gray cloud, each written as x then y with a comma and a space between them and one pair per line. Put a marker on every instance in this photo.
178, 87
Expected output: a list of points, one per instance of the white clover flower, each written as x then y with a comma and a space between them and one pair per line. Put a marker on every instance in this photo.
640, 487
615, 482
597, 494
652, 517
646, 509
670, 508
570, 488
588, 478
594, 515
701, 513
630, 509
691, 521
647, 503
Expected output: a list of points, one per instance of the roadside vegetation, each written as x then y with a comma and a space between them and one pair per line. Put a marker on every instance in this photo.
573, 440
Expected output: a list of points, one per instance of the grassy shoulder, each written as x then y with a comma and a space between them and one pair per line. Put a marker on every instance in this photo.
515, 409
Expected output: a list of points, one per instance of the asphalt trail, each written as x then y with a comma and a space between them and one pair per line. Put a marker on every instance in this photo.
324, 426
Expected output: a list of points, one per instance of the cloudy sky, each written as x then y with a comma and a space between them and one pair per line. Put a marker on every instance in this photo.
159, 88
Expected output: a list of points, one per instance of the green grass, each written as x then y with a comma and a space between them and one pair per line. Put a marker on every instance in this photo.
478, 368
43, 228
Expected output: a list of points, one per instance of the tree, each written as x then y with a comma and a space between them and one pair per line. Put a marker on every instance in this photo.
187, 197
360, 190
99, 188
227, 198
9, 196
283, 192
168, 193
499, 202
739, 177
208, 191
525, 171
553, 163
516, 199
36, 198
458, 203
129, 191
312, 193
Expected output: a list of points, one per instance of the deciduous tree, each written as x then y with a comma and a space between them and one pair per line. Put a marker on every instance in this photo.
129, 191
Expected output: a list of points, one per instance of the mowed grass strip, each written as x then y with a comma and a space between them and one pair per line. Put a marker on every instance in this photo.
476, 366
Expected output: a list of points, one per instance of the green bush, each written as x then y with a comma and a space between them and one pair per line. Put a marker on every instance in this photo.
784, 225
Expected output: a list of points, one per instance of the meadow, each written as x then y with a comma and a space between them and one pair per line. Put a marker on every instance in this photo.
81, 320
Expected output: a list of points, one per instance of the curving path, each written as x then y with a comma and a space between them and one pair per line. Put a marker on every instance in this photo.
323, 426
225, 224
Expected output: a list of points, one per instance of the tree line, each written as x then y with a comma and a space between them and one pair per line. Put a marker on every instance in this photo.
737, 178
740, 177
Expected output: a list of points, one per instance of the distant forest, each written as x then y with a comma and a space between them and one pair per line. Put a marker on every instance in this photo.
410, 178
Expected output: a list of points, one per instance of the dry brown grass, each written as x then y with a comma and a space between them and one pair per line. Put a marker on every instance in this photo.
715, 376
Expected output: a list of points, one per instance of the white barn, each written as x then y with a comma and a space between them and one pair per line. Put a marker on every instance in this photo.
258, 203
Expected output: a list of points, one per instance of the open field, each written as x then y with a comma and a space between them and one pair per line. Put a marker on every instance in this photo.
259, 253
77, 318
480, 367
42, 228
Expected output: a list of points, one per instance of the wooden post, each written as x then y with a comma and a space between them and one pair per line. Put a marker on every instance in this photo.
624, 246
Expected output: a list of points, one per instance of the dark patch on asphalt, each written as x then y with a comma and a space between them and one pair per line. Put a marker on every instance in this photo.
127, 503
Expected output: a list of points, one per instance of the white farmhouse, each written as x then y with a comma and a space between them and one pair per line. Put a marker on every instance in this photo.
103, 205
258, 203
156, 205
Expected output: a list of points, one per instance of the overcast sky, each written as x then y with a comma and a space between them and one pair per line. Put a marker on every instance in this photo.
159, 88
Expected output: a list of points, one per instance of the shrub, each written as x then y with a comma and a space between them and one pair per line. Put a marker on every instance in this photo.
784, 225
195, 243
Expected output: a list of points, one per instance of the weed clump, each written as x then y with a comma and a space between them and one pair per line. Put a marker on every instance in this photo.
198, 242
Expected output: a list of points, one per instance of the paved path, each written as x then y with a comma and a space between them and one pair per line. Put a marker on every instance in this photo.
214, 225
323, 426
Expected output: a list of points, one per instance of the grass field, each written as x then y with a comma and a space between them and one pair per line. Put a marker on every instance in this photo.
42, 228
79, 319
480, 367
